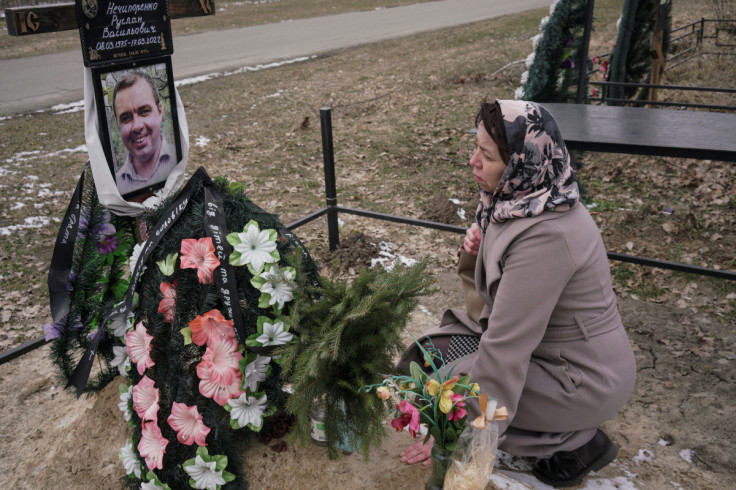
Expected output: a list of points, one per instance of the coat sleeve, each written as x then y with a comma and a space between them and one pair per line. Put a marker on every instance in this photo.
536, 266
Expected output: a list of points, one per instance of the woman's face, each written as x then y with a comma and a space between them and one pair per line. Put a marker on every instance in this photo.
486, 161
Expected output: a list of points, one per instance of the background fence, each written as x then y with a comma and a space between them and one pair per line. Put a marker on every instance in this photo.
714, 37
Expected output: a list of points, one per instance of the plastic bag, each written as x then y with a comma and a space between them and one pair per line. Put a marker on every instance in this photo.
471, 464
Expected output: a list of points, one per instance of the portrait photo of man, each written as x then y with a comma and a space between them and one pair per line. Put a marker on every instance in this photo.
141, 128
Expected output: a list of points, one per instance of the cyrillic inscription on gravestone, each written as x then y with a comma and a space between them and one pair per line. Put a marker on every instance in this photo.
117, 31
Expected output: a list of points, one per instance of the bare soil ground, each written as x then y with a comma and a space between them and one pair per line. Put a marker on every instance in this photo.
400, 112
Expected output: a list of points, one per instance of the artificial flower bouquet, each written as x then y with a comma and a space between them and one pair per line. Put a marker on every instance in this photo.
439, 402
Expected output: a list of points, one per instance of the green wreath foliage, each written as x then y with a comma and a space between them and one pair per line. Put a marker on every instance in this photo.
345, 335
553, 73
350, 338
631, 60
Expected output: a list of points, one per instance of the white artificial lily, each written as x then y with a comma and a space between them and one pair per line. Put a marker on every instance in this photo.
124, 404
248, 410
204, 474
274, 334
131, 463
277, 285
256, 247
120, 325
255, 372
137, 249
121, 360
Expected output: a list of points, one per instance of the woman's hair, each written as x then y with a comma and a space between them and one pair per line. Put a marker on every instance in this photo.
492, 118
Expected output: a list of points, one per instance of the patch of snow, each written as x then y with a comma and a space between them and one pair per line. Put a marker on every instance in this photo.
210, 76
31, 222
461, 213
193, 80
17, 205
617, 483
25, 156
644, 456
4, 171
388, 259
455, 201
202, 141
510, 480
687, 455
269, 65
276, 94
662, 442
424, 310
67, 108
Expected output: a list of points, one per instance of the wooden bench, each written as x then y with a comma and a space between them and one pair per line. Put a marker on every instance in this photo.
640, 131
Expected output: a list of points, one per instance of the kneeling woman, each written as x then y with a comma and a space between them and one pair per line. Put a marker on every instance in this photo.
549, 343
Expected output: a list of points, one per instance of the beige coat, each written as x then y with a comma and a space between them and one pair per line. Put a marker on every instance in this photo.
553, 349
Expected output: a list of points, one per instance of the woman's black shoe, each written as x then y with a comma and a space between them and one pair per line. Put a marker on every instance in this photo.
567, 468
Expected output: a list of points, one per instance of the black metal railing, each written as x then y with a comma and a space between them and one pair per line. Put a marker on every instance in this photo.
332, 209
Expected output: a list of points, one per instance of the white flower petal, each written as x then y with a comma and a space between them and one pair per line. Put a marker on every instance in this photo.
273, 334
204, 475
255, 372
121, 360
124, 404
248, 409
131, 463
255, 247
150, 485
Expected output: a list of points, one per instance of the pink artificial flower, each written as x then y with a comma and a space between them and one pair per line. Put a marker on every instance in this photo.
221, 358
458, 407
210, 326
187, 422
145, 399
219, 391
152, 445
604, 67
409, 416
200, 255
168, 304
138, 346
594, 92
596, 59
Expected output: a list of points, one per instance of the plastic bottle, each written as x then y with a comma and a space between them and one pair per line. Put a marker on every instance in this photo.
317, 430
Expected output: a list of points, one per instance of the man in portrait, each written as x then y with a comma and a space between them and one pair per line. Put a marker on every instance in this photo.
138, 113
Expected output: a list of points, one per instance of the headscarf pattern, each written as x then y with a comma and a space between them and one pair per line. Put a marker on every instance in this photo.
538, 176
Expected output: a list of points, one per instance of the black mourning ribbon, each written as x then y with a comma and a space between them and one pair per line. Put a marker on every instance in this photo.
224, 274
61, 260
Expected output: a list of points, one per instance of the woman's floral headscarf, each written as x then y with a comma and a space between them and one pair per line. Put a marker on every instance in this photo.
538, 177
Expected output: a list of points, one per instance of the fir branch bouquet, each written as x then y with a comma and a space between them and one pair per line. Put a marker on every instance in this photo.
347, 336
437, 401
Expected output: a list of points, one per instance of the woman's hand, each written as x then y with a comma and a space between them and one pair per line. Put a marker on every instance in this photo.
471, 244
418, 452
